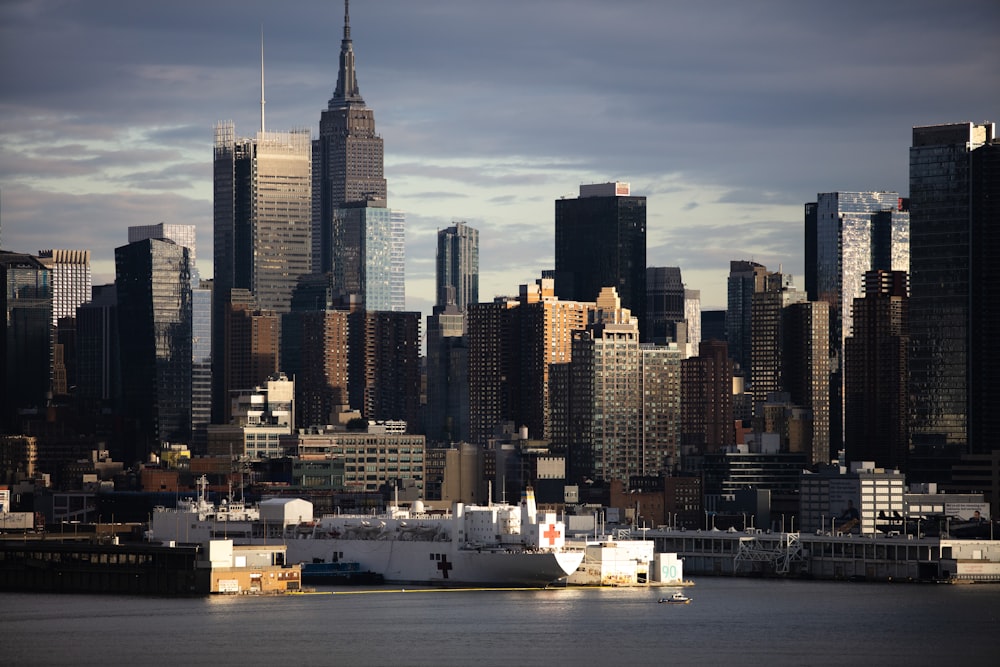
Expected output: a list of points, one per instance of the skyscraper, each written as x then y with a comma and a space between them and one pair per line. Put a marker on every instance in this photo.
26, 340
805, 371
71, 280
513, 344
853, 232
745, 279
707, 423
201, 322
458, 265
252, 345
98, 367
954, 304
624, 410
262, 226
457, 279
347, 157
601, 242
153, 284
665, 304
875, 375
366, 262
767, 333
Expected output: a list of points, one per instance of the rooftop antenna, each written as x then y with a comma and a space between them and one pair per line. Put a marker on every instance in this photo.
262, 79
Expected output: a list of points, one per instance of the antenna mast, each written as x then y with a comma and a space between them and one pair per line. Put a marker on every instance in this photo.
262, 79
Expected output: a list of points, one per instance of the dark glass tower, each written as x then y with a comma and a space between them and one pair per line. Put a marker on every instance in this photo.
458, 265
954, 186
347, 157
601, 242
153, 282
27, 338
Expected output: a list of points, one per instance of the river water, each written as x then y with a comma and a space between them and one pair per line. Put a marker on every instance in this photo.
730, 621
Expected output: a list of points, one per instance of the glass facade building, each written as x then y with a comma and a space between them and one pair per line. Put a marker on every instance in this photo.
458, 265
954, 186
365, 262
601, 242
27, 337
153, 284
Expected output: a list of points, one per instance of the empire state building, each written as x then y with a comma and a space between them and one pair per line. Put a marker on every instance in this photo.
347, 157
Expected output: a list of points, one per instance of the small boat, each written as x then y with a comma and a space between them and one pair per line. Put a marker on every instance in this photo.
676, 598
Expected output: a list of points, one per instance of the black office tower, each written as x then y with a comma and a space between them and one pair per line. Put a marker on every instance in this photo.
954, 305
601, 242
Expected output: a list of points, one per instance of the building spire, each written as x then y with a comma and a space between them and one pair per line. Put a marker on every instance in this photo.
346, 91
262, 79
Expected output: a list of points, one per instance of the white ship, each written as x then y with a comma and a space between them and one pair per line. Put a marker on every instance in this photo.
470, 545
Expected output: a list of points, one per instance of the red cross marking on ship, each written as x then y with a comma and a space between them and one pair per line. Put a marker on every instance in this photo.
444, 566
552, 534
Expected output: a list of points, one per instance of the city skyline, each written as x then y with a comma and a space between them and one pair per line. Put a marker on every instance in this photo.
727, 120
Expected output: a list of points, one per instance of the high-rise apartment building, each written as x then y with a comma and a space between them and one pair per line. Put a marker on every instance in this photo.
384, 366
954, 303
707, 423
601, 242
252, 345
805, 371
26, 341
71, 280
745, 279
458, 265
321, 381
875, 373
153, 285
201, 364
767, 333
624, 408
347, 157
512, 344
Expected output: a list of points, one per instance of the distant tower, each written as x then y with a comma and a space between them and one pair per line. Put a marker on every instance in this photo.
745, 279
601, 242
664, 304
458, 265
71, 280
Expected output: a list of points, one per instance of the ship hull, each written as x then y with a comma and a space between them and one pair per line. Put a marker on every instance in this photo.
439, 563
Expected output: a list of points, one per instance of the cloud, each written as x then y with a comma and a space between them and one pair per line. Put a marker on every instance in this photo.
728, 116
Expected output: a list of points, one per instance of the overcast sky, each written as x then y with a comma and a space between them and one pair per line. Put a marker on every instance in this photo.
728, 116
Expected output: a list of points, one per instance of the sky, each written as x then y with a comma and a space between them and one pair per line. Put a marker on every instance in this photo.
727, 115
